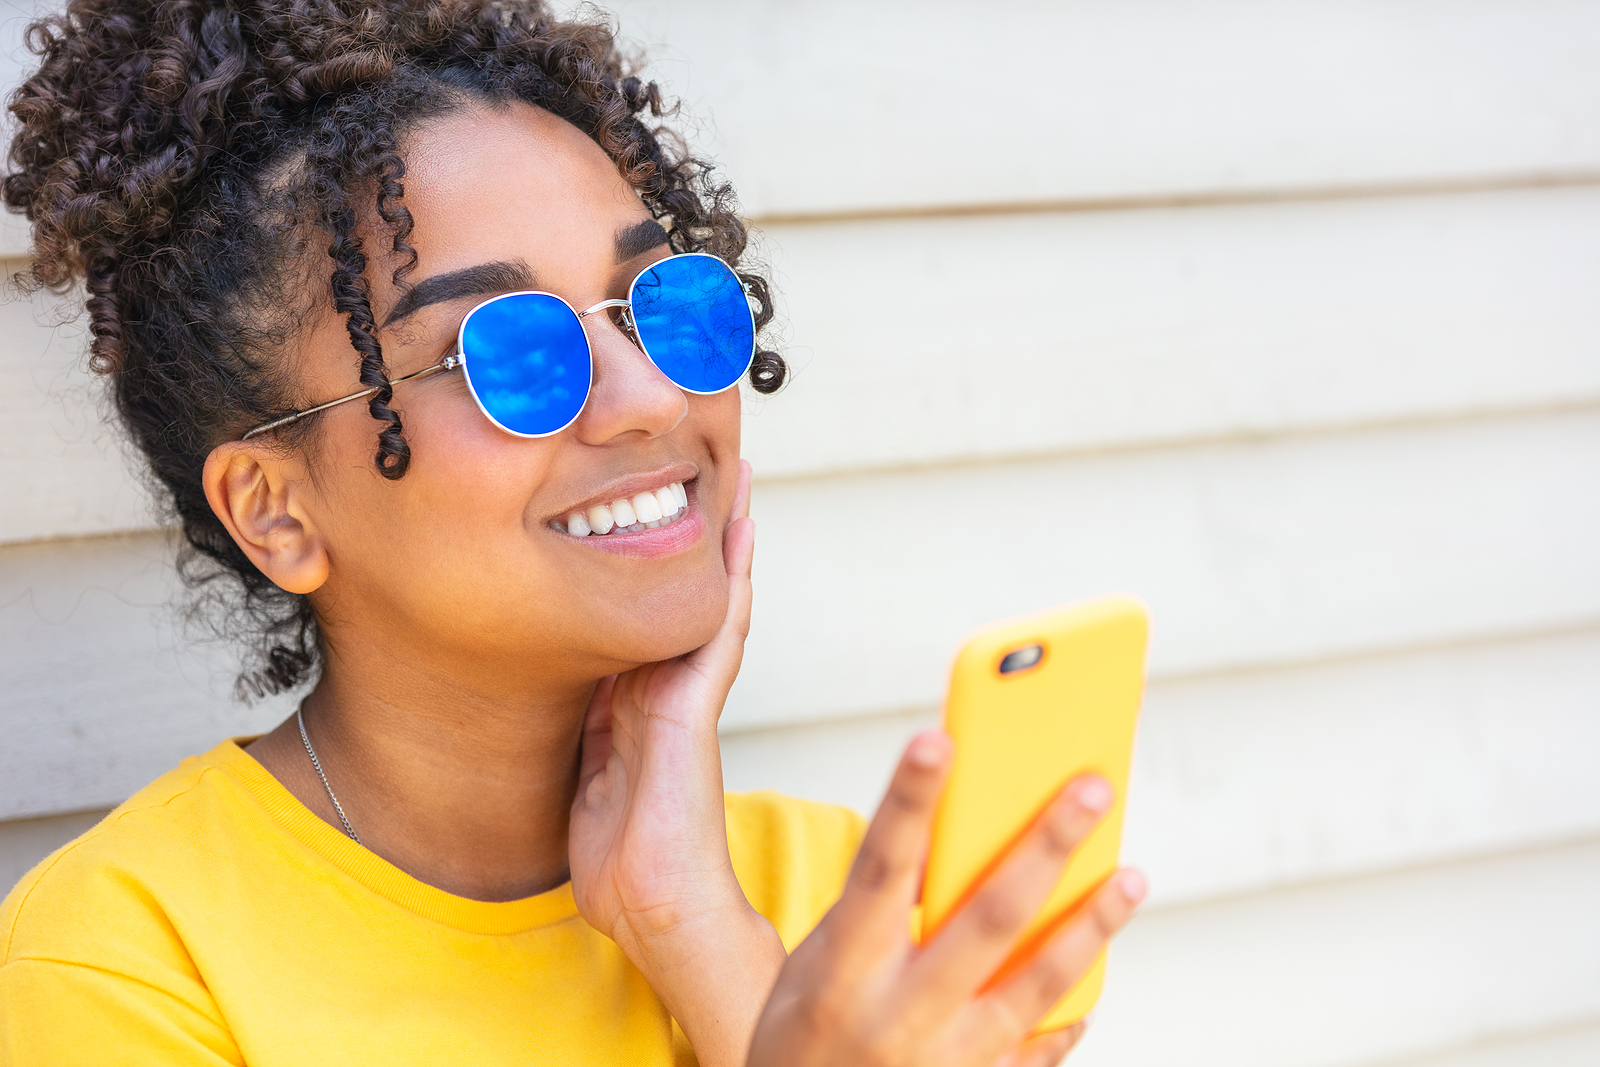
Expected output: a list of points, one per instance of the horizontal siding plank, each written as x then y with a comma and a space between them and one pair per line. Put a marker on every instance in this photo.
62, 468
1248, 554
1261, 779
1250, 781
100, 693
841, 761
1358, 972
1155, 98
836, 106
1577, 1046
929, 340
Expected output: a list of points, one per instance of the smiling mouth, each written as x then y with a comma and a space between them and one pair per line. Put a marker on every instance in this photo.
649, 510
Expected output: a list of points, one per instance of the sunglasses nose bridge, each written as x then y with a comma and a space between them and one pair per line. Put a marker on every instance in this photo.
626, 307
604, 305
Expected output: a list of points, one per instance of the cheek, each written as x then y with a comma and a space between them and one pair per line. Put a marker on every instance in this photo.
448, 549
466, 482
716, 420
720, 418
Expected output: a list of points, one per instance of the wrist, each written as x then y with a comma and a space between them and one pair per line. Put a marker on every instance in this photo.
714, 975
664, 935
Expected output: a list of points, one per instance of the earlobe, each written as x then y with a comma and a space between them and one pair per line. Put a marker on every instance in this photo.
260, 499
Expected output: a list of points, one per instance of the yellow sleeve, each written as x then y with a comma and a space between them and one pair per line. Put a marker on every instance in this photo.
791, 857
58, 1013
92, 971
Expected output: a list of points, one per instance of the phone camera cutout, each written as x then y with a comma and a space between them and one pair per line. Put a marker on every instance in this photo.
1022, 659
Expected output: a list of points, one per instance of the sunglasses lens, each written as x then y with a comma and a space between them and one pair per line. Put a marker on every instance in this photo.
694, 322
527, 362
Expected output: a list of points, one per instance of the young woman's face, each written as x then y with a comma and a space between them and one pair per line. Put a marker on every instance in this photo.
464, 557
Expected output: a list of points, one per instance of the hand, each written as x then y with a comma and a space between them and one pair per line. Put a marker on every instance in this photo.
858, 991
647, 842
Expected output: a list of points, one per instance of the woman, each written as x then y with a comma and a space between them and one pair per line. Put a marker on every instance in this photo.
314, 237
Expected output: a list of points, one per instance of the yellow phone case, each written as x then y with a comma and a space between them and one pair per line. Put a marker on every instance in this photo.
1019, 737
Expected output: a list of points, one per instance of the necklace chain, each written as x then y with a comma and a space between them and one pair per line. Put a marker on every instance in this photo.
300, 717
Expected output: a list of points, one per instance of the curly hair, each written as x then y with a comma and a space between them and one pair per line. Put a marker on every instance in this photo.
180, 159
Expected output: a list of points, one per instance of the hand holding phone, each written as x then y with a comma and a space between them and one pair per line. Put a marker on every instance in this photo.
860, 989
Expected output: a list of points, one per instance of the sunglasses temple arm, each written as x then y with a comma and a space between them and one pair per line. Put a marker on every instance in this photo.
450, 362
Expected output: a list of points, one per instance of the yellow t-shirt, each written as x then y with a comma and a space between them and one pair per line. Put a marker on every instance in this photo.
214, 919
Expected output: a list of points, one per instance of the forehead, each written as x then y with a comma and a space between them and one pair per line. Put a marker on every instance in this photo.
513, 182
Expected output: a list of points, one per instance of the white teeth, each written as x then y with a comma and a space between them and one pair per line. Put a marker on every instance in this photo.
644, 511
600, 519
647, 507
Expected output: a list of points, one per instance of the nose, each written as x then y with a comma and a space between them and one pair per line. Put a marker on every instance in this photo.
629, 393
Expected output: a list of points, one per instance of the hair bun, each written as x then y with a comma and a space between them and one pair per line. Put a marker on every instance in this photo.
129, 102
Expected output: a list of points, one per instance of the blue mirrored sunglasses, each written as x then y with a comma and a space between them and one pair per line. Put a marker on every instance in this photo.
527, 358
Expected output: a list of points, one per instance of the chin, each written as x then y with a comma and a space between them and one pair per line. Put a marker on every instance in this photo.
672, 626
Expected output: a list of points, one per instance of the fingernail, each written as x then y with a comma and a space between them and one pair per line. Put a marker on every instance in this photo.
929, 750
1094, 794
1132, 884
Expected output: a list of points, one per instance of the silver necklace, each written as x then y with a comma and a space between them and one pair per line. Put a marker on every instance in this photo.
300, 717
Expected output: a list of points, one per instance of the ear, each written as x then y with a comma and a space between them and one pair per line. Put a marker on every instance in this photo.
262, 499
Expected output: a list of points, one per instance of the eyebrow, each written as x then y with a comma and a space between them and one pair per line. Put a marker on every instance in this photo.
485, 279
638, 239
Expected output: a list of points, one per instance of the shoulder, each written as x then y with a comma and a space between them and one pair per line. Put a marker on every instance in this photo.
106, 879
91, 933
791, 856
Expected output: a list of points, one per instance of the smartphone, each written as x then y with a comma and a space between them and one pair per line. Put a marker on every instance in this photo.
1033, 703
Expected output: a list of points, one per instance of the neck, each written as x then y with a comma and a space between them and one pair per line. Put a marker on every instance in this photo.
466, 788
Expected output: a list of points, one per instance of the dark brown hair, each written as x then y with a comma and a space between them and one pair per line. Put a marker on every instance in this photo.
186, 159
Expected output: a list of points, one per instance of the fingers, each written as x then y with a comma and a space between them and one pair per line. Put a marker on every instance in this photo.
876, 904
741, 492
738, 541
1024, 998
1047, 1050
739, 547
979, 937
718, 659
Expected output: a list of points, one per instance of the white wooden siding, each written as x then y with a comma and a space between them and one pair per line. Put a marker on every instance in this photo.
821, 107
101, 690
1364, 970
1344, 444
1558, 1046
934, 340
63, 470
1250, 780
1251, 553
